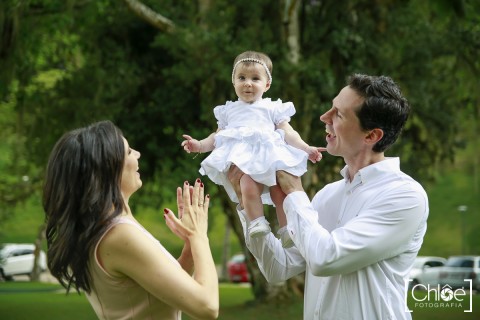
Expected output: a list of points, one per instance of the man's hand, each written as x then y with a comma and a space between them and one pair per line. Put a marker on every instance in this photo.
289, 183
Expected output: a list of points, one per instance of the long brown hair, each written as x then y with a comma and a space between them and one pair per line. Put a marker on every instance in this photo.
81, 196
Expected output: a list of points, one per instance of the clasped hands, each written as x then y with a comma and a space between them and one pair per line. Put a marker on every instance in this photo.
192, 211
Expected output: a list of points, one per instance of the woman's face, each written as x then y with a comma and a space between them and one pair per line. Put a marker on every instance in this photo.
131, 181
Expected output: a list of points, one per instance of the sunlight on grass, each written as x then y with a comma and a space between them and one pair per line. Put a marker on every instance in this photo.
26, 300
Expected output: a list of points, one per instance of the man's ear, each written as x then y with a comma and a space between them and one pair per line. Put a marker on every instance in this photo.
374, 135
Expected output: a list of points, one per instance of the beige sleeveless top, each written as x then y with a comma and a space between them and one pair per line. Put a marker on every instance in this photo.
122, 298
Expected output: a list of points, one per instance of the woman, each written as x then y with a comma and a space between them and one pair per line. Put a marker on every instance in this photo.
96, 245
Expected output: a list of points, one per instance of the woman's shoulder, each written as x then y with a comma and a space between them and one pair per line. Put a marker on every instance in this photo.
121, 229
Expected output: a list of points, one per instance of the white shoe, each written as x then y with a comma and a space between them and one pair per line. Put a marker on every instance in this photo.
258, 227
287, 242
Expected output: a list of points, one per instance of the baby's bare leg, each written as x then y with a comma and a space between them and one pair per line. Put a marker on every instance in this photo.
278, 196
251, 197
252, 202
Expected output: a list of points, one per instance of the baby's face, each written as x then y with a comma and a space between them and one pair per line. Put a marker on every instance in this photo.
250, 81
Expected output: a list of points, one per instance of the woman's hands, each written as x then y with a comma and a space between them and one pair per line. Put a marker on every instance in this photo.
192, 211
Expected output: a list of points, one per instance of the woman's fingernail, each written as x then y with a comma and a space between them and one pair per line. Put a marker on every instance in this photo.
186, 183
198, 180
201, 184
208, 196
165, 210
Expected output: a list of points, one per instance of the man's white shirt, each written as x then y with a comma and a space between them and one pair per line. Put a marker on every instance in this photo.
355, 240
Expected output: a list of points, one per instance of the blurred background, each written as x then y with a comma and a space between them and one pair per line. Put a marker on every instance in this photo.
158, 68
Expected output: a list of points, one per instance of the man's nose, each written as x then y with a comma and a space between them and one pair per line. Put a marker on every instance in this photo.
325, 117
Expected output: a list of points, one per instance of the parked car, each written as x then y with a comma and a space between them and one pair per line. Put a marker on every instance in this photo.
425, 271
459, 268
17, 259
237, 269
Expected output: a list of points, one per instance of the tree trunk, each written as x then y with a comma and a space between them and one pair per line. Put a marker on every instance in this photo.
35, 275
226, 251
150, 16
292, 29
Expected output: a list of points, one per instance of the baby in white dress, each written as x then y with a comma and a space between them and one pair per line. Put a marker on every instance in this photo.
254, 134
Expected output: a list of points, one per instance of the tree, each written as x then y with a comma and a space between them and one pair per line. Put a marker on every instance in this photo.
159, 72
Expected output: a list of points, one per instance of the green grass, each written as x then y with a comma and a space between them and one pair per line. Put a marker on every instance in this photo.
26, 300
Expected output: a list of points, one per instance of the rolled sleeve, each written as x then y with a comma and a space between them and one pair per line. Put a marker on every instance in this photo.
276, 263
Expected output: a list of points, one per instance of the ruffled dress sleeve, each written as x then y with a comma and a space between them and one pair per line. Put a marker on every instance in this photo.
221, 115
283, 111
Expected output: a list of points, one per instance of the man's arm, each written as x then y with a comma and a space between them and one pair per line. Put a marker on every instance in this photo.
381, 231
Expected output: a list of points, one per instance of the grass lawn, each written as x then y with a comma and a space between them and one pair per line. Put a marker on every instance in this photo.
25, 300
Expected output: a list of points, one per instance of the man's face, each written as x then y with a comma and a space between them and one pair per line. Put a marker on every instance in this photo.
345, 137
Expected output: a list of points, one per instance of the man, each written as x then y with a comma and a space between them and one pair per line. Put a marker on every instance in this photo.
357, 239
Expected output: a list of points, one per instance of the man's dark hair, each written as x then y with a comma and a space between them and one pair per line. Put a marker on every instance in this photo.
384, 107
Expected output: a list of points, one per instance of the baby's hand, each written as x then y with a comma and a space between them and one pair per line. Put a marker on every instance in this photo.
190, 144
314, 153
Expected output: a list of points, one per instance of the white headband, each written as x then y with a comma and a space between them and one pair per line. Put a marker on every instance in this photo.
251, 60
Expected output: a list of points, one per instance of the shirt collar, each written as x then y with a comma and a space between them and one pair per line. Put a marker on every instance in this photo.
372, 171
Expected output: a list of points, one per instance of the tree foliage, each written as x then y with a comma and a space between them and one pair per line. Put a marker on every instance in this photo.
64, 64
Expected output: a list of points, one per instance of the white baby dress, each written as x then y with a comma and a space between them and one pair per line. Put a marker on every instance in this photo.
249, 140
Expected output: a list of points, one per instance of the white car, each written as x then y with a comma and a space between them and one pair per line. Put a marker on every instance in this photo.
458, 269
425, 271
17, 259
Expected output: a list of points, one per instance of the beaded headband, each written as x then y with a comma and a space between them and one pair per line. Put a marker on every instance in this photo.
252, 60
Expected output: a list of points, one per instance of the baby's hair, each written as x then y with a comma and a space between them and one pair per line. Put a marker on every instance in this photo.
249, 57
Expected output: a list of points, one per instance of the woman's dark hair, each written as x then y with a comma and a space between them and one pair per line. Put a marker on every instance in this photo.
81, 196
384, 107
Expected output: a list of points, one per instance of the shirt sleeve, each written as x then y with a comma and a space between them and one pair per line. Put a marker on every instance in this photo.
380, 231
221, 115
276, 263
283, 111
